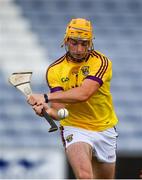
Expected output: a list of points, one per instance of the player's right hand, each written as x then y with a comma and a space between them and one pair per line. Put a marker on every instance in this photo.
51, 111
38, 109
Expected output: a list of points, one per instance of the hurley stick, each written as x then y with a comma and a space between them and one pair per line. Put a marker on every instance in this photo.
21, 80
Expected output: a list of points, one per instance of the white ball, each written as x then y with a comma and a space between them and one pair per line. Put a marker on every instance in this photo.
63, 113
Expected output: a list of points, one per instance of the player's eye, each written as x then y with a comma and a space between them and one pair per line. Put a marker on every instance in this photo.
74, 42
84, 43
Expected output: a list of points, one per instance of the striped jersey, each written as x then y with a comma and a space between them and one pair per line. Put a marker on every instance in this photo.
97, 113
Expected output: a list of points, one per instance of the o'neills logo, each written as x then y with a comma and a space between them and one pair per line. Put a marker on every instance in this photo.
85, 70
64, 79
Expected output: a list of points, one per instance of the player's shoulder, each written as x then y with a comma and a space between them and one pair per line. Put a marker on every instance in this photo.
98, 54
57, 61
99, 57
53, 67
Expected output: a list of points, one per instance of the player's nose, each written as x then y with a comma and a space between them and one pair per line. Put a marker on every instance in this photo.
79, 48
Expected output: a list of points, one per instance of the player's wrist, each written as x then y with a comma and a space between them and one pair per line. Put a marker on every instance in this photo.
46, 98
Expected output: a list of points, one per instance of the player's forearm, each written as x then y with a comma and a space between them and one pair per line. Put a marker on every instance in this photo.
75, 95
53, 113
71, 96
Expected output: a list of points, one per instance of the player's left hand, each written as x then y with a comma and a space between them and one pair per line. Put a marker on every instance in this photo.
36, 99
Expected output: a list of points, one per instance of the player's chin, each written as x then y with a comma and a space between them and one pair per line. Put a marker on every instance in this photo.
79, 57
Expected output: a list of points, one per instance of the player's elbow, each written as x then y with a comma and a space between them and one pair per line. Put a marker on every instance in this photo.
84, 93
83, 97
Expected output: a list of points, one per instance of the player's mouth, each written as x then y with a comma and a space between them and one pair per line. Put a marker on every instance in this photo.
79, 56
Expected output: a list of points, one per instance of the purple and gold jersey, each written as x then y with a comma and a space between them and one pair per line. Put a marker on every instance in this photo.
97, 113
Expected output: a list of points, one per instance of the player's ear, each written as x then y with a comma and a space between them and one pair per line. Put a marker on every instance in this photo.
67, 41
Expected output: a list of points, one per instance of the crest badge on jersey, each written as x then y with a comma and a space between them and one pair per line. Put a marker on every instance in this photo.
69, 138
85, 70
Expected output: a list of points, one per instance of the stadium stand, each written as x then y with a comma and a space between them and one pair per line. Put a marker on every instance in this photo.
31, 32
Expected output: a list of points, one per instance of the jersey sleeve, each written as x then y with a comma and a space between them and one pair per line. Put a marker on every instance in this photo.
100, 70
53, 80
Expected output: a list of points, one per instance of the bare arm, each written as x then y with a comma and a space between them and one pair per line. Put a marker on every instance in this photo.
75, 95
54, 107
52, 110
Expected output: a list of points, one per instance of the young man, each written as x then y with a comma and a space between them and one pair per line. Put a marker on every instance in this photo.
80, 81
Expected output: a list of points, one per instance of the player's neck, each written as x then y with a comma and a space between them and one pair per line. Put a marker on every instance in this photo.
74, 60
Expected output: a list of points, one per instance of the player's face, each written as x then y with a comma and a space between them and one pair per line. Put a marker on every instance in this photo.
78, 48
